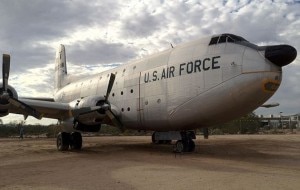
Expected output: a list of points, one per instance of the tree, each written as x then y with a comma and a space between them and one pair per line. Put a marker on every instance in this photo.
248, 124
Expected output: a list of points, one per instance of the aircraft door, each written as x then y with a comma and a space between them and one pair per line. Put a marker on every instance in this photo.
131, 101
153, 104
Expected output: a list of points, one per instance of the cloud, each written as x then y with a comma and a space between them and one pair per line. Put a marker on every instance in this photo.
99, 52
24, 24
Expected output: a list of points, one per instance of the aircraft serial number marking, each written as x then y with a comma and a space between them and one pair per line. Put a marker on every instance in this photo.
188, 68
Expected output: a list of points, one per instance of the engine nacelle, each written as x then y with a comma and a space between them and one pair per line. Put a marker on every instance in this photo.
4, 104
87, 128
69, 126
93, 118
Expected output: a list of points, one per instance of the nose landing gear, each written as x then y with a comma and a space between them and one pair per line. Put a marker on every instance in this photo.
184, 139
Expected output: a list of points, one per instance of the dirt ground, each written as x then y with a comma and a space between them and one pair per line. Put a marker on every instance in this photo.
221, 162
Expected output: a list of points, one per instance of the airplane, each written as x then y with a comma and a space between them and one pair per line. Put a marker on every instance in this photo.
194, 85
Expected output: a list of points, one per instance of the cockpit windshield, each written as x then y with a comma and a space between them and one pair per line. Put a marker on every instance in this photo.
223, 38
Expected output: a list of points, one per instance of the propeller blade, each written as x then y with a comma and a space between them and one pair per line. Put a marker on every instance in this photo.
31, 111
110, 85
5, 71
115, 120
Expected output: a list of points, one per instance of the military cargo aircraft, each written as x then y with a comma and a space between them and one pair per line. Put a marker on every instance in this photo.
193, 85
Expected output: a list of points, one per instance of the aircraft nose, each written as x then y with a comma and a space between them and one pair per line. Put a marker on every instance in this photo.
280, 55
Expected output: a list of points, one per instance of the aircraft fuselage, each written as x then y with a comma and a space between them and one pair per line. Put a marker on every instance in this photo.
197, 84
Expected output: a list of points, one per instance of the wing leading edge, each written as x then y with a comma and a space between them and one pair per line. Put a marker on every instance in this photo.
54, 110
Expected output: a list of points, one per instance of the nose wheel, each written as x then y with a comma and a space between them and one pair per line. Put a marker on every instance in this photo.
185, 146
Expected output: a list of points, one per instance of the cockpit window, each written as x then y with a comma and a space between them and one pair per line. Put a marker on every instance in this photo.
223, 38
214, 40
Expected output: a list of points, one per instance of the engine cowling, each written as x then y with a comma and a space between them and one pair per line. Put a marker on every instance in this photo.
69, 125
89, 118
4, 103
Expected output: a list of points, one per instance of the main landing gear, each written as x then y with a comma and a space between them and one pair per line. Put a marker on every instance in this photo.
184, 139
69, 140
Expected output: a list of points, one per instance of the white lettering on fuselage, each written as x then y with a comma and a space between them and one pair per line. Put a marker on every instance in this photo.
188, 68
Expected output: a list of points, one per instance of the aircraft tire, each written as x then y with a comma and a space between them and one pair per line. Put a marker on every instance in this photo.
153, 139
191, 146
63, 141
75, 141
179, 146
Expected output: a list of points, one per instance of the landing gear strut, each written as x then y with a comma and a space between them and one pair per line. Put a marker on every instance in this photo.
66, 140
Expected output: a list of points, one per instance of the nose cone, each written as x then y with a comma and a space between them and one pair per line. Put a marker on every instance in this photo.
280, 55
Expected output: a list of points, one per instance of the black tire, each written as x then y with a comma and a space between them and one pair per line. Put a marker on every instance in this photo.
63, 141
75, 141
153, 139
179, 146
191, 146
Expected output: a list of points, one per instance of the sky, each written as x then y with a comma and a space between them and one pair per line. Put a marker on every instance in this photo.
99, 35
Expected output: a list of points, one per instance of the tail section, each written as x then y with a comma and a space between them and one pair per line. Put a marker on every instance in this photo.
60, 68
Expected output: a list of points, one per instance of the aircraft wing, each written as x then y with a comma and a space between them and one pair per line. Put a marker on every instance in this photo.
83, 111
48, 109
38, 98
63, 111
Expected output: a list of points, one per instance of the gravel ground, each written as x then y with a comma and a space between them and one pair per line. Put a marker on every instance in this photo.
221, 162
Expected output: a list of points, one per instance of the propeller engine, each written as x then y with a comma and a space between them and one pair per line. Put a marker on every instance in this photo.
8, 95
93, 110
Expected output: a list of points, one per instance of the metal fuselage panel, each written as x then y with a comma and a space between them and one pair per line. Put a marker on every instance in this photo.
190, 86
